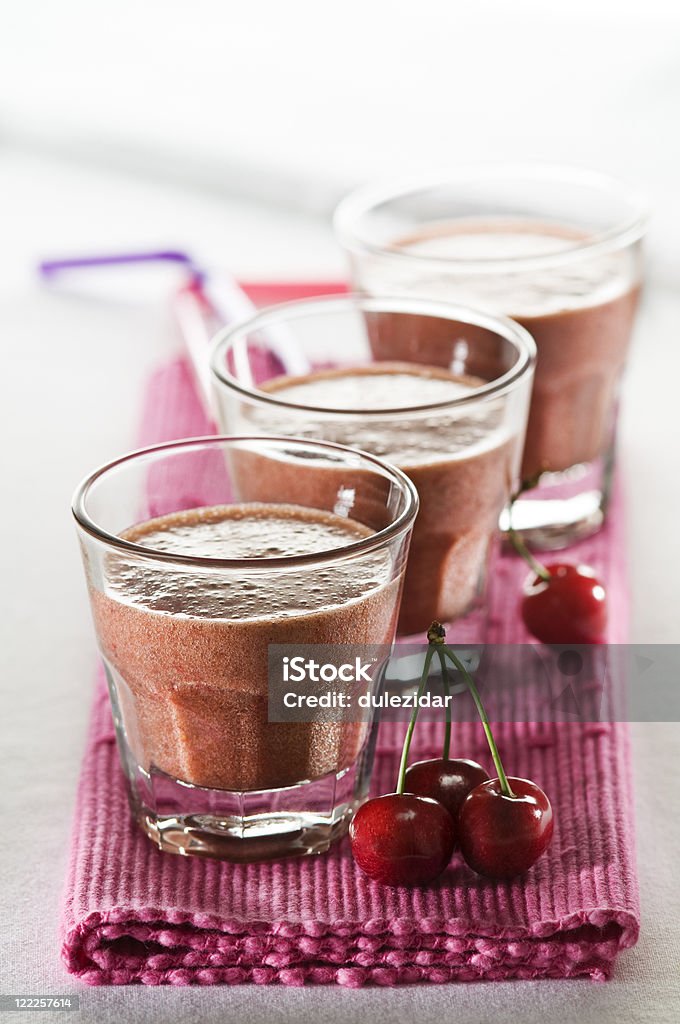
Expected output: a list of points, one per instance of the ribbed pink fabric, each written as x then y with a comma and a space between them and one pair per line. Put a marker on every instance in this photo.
133, 914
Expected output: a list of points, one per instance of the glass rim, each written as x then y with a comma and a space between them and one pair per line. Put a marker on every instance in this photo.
376, 540
503, 326
363, 200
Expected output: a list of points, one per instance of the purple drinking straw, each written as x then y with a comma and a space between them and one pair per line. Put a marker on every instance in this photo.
48, 268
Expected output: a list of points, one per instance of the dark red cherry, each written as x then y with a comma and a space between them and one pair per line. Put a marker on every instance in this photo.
402, 839
569, 608
502, 836
446, 780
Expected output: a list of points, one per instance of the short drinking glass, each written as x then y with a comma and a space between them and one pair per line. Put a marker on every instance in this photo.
192, 575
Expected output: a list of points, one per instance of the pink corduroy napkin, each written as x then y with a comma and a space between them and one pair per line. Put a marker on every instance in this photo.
135, 915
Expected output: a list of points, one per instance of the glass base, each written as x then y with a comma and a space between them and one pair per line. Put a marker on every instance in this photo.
243, 826
565, 507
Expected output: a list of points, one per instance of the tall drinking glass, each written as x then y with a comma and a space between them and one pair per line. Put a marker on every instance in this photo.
355, 371
559, 251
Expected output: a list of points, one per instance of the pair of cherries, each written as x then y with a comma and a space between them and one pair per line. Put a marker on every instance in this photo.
409, 838
502, 825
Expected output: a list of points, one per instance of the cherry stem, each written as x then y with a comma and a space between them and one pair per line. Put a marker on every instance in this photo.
470, 683
517, 541
412, 724
447, 696
523, 551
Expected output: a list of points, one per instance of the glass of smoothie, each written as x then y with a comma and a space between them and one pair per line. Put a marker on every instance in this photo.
559, 251
354, 370
193, 573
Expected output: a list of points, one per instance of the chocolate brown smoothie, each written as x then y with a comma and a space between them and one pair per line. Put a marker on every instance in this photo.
461, 459
580, 313
187, 648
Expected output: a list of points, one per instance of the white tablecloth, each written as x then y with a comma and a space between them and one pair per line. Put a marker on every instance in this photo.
73, 374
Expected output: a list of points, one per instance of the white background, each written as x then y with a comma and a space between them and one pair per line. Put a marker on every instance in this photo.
230, 129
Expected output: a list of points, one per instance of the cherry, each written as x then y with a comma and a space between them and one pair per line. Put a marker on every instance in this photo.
565, 604
402, 839
561, 603
447, 780
502, 835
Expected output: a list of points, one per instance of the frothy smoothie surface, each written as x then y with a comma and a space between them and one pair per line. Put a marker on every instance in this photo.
391, 386
186, 648
483, 239
542, 290
408, 439
249, 531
